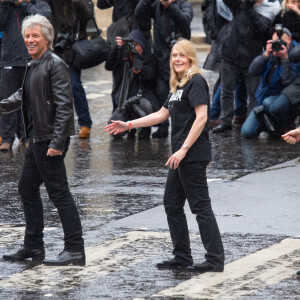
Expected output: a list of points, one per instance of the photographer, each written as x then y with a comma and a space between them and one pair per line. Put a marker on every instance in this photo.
274, 113
69, 19
247, 35
134, 70
172, 19
13, 61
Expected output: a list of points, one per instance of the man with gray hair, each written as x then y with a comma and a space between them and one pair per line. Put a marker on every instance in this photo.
46, 102
13, 61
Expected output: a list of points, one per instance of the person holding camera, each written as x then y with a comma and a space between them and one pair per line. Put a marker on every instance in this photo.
13, 61
46, 102
274, 112
69, 19
289, 17
188, 106
172, 19
247, 35
134, 67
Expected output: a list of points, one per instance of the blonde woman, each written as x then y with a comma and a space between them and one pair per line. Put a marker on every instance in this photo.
290, 17
188, 106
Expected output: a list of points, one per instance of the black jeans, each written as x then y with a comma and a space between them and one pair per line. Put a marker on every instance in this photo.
11, 124
230, 74
189, 182
50, 170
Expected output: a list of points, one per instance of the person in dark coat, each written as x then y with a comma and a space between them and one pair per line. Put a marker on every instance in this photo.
247, 36
289, 17
172, 19
141, 69
46, 102
13, 61
69, 19
277, 72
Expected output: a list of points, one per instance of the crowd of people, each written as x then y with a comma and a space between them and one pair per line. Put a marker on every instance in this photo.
152, 81
257, 87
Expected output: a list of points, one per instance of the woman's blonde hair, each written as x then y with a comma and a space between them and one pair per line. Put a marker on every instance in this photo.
283, 6
187, 48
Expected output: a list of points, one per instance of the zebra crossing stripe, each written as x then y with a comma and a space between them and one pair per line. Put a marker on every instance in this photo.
110, 255
15, 234
244, 276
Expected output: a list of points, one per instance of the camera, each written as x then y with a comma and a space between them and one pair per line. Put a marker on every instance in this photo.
250, 2
172, 39
277, 45
128, 46
64, 42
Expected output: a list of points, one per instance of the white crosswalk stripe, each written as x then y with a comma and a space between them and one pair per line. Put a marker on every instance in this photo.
242, 277
111, 255
12, 235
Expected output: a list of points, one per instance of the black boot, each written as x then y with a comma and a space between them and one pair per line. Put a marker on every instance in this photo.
67, 258
171, 264
161, 133
222, 128
205, 267
23, 253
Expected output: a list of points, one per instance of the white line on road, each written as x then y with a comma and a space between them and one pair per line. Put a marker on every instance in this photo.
244, 276
12, 235
109, 256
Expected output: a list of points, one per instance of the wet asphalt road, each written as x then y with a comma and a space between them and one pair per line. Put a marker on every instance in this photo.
113, 180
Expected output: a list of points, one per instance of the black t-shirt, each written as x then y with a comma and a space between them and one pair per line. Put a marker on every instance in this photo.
182, 112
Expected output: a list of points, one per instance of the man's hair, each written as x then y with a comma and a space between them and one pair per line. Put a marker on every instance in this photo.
46, 27
188, 49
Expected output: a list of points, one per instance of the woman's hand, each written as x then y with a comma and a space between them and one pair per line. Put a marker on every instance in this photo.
292, 137
293, 8
176, 158
116, 127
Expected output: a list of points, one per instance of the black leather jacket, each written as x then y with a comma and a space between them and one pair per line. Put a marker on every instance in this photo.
51, 101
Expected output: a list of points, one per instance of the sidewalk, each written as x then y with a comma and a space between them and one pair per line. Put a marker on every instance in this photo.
264, 202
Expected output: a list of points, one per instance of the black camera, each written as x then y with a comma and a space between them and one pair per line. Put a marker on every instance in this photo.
277, 45
64, 41
250, 2
128, 46
172, 39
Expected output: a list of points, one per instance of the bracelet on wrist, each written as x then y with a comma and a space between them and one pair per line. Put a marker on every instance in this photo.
186, 147
129, 125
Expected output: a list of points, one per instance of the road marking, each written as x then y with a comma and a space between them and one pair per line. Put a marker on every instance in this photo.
244, 276
94, 96
109, 256
98, 82
12, 235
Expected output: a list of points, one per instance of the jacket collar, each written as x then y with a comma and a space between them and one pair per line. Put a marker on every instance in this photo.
44, 56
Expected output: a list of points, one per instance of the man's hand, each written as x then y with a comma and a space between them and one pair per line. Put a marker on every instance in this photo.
53, 152
167, 3
282, 53
269, 50
119, 41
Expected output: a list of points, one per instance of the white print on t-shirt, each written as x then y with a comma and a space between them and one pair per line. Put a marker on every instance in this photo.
176, 96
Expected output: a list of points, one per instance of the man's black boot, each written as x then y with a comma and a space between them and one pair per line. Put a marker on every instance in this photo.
222, 128
67, 258
24, 253
205, 267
